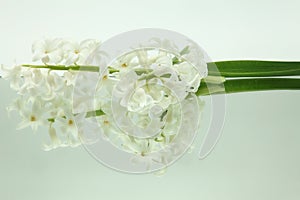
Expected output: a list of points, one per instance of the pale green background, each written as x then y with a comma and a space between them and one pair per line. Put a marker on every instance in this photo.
258, 156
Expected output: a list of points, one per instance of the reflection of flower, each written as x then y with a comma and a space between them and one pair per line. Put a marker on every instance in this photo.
189, 75
143, 150
147, 93
139, 101
164, 44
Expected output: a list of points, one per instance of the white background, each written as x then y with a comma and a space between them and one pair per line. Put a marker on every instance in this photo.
258, 154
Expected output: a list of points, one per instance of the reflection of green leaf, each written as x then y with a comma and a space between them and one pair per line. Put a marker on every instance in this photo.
175, 60
141, 71
159, 139
214, 79
163, 115
152, 75
94, 113
186, 50
112, 70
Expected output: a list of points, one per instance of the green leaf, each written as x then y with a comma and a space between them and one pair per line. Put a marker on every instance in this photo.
253, 68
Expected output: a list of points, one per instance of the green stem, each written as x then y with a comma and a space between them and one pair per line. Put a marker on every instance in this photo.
236, 68
63, 67
249, 85
253, 68
218, 82
89, 68
94, 113
88, 114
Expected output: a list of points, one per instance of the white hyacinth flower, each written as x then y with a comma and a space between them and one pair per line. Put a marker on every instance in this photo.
55, 141
139, 101
13, 75
147, 86
189, 75
67, 123
78, 53
48, 51
33, 117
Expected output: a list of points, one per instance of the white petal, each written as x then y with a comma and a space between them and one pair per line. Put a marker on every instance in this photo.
55, 57
23, 124
37, 55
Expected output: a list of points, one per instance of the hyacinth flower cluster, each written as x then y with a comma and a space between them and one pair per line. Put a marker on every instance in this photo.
148, 90
44, 90
46, 95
